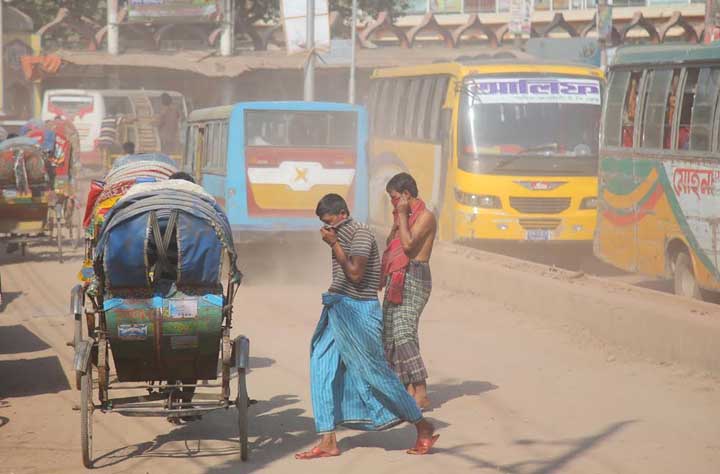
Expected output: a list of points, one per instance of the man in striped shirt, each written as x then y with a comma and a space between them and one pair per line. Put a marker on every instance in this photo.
351, 382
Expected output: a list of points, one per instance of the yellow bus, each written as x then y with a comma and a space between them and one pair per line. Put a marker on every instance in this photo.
659, 200
502, 149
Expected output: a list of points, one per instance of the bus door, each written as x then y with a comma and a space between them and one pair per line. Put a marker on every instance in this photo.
617, 174
295, 157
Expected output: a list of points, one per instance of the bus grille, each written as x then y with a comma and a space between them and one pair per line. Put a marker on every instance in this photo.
533, 205
539, 224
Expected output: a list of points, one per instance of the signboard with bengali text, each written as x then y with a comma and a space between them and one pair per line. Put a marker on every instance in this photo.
173, 11
554, 90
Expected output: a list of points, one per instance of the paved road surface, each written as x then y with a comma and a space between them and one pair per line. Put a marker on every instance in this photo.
513, 393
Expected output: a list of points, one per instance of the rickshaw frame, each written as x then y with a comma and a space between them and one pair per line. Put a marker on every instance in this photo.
92, 355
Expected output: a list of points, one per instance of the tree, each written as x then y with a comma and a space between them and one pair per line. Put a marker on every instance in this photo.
44, 11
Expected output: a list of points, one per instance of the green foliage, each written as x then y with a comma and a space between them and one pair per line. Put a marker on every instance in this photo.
44, 11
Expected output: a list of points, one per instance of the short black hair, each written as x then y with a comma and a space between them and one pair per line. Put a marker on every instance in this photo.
129, 148
182, 175
332, 204
402, 182
12, 135
165, 99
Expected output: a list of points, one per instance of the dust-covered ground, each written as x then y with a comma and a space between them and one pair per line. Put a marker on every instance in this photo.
513, 390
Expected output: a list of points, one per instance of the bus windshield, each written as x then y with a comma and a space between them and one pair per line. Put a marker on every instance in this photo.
301, 129
70, 105
512, 123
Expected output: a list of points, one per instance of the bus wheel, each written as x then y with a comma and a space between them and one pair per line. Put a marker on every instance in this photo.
685, 283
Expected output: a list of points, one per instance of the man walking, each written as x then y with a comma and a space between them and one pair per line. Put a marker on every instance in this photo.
168, 124
351, 382
406, 273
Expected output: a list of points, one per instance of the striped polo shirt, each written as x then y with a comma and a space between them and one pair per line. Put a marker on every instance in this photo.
357, 240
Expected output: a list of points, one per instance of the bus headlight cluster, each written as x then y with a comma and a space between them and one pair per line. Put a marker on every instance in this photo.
589, 203
477, 200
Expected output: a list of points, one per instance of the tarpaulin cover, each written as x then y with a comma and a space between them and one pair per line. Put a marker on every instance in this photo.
202, 231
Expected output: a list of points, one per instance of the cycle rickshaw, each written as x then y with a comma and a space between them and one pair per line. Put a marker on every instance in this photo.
37, 194
156, 305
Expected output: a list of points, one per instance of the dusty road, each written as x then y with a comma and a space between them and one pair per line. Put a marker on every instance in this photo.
513, 392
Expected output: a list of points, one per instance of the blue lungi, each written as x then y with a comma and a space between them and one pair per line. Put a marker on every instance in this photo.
352, 383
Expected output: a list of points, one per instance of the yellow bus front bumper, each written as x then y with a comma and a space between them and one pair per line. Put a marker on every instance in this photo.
497, 224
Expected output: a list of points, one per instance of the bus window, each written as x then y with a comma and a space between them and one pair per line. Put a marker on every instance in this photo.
115, 106
412, 105
629, 109
423, 122
281, 128
657, 94
372, 102
212, 153
189, 157
383, 115
686, 106
613, 113
436, 107
670, 112
703, 111
399, 109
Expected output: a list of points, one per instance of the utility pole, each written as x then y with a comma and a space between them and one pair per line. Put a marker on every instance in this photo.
113, 33
227, 40
2, 62
353, 59
309, 92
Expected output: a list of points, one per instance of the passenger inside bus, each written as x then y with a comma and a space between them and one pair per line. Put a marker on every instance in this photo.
628, 127
688, 100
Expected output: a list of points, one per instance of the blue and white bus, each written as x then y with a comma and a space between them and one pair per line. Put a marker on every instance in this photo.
269, 163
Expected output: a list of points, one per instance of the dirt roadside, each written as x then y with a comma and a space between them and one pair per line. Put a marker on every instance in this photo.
652, 325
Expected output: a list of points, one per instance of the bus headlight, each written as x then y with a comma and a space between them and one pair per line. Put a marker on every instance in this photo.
589, 203
477, 200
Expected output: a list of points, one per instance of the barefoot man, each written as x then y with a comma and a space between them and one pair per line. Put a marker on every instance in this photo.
406, 272
351, 382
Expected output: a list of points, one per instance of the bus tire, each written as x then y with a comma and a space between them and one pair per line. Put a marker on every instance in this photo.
685, 283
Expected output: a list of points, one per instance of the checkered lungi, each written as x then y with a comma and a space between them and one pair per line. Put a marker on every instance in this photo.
400, 325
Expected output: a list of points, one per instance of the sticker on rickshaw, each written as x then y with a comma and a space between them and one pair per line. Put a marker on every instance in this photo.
183, 342
133, 331
179, 309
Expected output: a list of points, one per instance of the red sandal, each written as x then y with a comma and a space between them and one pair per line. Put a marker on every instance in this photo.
423, 445
316, 453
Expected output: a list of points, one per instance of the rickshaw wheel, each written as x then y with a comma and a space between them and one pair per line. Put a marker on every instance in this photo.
86, 412
242, 403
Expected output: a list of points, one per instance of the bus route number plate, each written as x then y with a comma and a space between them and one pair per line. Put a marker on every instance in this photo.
538, 234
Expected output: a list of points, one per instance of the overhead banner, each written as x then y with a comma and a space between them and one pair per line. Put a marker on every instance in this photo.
294, 17
541, 90
174, 11
520, 17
